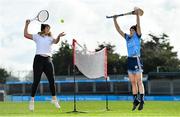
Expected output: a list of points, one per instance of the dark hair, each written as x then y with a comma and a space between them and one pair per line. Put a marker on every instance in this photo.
43, 26
134, 27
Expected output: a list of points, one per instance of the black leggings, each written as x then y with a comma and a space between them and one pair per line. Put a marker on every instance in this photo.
43, 64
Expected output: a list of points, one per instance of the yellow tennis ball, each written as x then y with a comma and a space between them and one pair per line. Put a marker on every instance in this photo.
62, 21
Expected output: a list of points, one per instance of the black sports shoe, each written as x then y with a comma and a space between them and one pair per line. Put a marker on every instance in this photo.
141, 105
135, 104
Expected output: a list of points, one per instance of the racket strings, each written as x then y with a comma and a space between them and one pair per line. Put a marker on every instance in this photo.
43, 16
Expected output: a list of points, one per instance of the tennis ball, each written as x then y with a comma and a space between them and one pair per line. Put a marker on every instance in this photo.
62, 21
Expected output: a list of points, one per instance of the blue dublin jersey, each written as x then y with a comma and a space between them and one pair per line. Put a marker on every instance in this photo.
133, 44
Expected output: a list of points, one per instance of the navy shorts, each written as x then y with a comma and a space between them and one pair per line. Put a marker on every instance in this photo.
134, 65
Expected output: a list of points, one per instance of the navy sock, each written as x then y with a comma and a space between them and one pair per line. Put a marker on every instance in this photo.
135, 97
142, 97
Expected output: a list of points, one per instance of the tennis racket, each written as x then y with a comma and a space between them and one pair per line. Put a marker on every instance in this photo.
42, 16
136, 10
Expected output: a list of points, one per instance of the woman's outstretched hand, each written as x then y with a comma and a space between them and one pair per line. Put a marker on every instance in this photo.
61, 34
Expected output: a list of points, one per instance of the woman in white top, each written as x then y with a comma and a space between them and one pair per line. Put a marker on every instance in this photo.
42, 60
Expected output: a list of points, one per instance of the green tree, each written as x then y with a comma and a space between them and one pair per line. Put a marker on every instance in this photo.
63, 65
116, 63
3, 75
158, 53
62, 60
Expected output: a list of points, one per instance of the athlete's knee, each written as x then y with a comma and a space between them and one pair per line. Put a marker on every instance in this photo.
133, 82
140, 83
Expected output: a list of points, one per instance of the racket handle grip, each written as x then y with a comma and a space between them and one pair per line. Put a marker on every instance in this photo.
32, 19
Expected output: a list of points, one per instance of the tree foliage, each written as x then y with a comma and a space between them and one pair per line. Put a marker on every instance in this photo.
3, 75
62, 60
116, 63
158, 53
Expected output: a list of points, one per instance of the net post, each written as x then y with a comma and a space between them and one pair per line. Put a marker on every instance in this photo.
105, 63
106, 77
107, 102
74, 74
74, 55
74, 42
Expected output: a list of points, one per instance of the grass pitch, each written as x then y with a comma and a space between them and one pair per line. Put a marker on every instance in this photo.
90, 108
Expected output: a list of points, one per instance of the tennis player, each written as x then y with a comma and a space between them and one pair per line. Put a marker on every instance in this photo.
42, 60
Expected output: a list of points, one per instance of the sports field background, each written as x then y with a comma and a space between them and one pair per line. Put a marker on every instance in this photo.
90, 108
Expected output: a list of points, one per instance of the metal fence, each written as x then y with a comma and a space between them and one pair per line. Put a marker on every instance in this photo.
155, 84
67, 87
164, 83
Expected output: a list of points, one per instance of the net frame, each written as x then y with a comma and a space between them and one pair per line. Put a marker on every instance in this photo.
74, 43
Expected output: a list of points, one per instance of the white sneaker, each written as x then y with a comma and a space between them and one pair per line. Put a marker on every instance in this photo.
55, 102
31, 105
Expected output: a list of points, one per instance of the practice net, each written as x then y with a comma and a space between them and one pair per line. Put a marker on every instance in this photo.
91, 64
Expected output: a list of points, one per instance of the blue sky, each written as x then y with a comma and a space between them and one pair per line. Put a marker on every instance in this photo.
85, 21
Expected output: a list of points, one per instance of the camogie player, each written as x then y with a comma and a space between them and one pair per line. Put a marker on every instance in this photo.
134, 62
